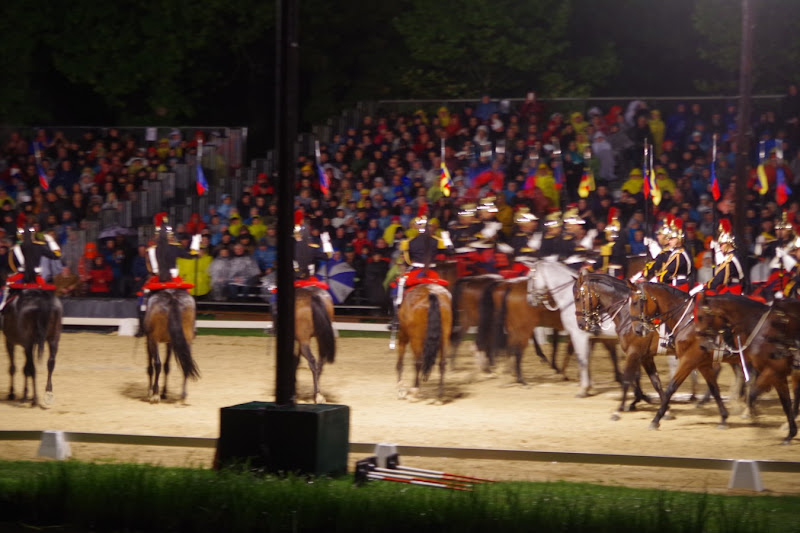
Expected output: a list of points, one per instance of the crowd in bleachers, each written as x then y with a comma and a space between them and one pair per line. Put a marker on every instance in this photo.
382, 170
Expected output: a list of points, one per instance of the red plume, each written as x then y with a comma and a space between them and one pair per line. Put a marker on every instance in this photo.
725, 225
158, 219
423, 210
678, 222
612, 214
299, 215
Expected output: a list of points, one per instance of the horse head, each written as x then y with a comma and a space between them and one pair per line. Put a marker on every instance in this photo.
710, 319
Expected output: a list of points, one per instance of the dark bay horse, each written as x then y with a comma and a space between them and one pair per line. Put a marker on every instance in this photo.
599, 299
657, 303
30, 319
169, 320
758, 331
313, 317
425, 322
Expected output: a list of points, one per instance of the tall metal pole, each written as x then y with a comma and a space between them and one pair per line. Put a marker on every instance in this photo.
286, 112
743, 124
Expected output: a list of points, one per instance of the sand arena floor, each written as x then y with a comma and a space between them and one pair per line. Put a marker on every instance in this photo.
100, 386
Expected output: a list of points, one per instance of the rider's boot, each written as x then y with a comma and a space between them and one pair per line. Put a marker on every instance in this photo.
6, 291
140, 313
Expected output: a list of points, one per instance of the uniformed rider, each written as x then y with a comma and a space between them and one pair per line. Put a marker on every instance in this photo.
728, 274
778, 253
793, 285
582, 239
24, 261
526, 241
658, 250
556, 245
678, 266
488, 234
613, 253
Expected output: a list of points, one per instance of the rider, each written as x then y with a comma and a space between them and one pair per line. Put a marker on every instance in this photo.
678, 266
162, 263
464, 233
613, 253
308, 253
792, 287
582, 239
782, 261
728, 274
658, 251
488, 234
24, 261
555, 244
526, 240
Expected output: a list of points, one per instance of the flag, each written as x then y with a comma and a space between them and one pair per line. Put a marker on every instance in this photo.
202, 183
445, 182
782, 190
714, 183
587, 183
655, 192
763, 185
558, 175
324, 185
530, 180
42, 178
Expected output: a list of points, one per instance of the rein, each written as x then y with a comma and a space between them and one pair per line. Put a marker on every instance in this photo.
653, 321
594, 317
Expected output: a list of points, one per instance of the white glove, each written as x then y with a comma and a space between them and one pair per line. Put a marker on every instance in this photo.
51, 243
697, 288
637, 277
535, 242
195, 246
326, 243
789, 262
504, 248
779, 252
652, 247
445, 235
490, 229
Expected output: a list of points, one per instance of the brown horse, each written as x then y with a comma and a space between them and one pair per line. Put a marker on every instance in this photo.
759, 332
425, 322
313, 317
169, 319
600, 299
30, 319
658, 303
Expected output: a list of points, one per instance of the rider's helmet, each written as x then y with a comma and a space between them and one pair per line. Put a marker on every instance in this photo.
487, 208
161, 222
299, 217
524, 216
420, 222
613, 227
553, 220
785, 226
572, 217
676, 229
467, 213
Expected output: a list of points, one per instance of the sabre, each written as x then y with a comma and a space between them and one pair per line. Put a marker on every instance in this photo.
444, 474
714, 206
741, 360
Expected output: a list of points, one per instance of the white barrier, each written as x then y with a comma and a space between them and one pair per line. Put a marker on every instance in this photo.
221, 324
738, 468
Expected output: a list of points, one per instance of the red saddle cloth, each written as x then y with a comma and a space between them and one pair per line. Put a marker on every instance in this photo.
176, 283
15, 282
308, 282
726, 289
517, 270
415, 277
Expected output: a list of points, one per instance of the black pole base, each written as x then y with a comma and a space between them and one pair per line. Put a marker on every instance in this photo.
301, 439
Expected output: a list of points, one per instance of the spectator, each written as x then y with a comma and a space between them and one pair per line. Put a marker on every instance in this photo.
243, 273
219, 272
100, 277
67, 283
196, 272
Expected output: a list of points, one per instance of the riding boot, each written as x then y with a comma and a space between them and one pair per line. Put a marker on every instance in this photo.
6, 291
141, 313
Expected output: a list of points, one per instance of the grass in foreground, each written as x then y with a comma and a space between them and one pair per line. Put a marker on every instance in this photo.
91, 497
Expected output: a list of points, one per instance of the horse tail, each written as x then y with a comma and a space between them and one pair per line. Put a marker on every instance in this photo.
180, 345
455, 333
323, 329
483, 339
433, 335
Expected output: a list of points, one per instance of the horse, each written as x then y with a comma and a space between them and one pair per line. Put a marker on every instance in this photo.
30, 319
755, 329
657, 303
425, 322
169, 319
599, 299
542, 299
313, 317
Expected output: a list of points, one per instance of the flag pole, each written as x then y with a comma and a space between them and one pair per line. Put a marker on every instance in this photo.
714, 203
646, 177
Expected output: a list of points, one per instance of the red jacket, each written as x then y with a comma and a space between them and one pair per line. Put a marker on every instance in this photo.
100, 280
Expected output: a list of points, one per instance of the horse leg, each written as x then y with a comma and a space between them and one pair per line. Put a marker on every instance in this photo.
518, 365
782, 388
796, 382
153, 370
442, 363
52, 349
166, 373
582, 350
553, 363
30, 373
627, 379
710, 376
538, 349
682, 371
612, 352
12, 369
402, 391
316, 369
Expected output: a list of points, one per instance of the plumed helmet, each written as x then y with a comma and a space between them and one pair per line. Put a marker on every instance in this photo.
676, 229
524, 216
161, 222
784, 222
726, 233
420, 222
553, 219
299, 217
665, 228
467, 210
613, 227
572, 216
488, 205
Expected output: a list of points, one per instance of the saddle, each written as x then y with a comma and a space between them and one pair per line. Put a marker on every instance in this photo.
15, 282
414, 278
154, 284
307, 282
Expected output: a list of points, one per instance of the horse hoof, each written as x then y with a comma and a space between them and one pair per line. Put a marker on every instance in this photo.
319, 398
668, 416
629, 408
615, 417
154, 398
583, 393
787, 441
12, 397
722, 425
438, 401
48, 399
654, 425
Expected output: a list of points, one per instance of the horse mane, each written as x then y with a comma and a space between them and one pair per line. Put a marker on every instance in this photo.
674, 291
610, 281
755, 305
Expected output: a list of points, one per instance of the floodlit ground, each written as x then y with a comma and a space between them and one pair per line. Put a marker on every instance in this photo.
100, 386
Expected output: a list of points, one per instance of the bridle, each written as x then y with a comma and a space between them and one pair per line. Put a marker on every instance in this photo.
595, 314
651, 323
